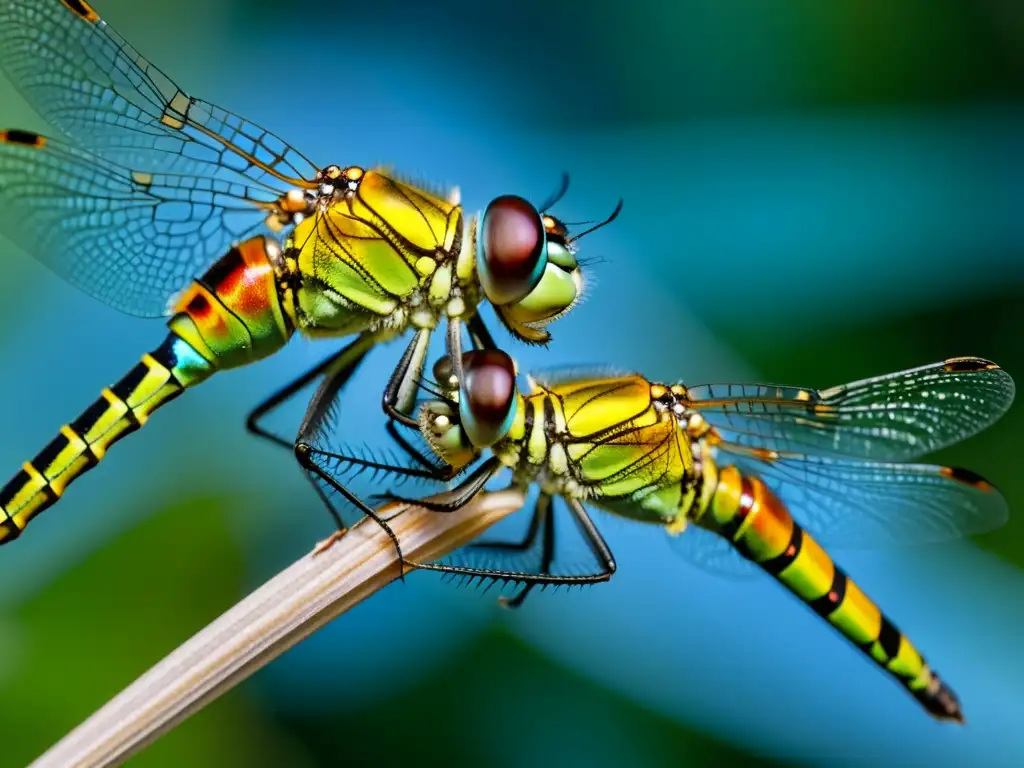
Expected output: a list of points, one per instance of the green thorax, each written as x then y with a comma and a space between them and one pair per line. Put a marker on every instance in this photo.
380, 254
606, 440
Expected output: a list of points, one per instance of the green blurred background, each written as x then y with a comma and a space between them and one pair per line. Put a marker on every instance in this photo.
815, 192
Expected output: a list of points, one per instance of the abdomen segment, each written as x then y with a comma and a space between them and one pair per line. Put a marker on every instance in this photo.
748, 514
230, 317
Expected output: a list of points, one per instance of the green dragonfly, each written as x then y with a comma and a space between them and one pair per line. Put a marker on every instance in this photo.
159, 203
738, 474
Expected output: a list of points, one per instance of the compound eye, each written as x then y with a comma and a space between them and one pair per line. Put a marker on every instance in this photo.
488, 402
512, 253
444, 373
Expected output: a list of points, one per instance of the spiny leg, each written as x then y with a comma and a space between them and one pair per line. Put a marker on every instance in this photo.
336, 375
306, 454
428, 471
541, 511
431, 472
340, 364
336, 370
591, 535
542, 514
345, 362
598, 546
595, 542
353, 353
398, 401
457, 497
444, 472
467, 490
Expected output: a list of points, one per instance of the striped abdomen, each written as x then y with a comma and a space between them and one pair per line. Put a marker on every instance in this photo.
746, 512
230, 317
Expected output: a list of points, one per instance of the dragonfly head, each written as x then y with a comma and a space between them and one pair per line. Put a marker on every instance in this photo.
475, 413
527, 266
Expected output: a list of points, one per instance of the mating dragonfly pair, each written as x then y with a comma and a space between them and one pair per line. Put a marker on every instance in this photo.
148, 187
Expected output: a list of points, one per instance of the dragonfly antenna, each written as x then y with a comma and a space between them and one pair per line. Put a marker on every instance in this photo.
559, 194
609, 220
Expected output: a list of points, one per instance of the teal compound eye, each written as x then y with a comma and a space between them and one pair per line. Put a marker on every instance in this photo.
487, 404
511, 249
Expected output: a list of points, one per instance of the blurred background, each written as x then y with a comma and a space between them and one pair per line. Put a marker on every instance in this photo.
815, 192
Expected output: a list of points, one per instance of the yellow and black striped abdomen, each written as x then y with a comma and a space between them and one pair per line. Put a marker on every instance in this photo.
749, 515
82, 444
231, 316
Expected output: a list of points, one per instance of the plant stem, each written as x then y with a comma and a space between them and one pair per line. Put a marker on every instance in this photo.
286, 609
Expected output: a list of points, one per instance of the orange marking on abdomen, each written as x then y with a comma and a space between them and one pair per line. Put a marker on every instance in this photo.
768, 530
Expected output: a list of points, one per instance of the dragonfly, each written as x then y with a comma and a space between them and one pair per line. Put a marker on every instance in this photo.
146, 187
743, 477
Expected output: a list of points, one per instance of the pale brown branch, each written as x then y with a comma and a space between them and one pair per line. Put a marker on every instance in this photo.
286, 609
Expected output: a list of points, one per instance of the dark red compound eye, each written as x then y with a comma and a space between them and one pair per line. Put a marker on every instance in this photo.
488, 396
511, 256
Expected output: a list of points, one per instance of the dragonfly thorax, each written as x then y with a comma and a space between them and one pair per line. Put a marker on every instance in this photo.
372, 253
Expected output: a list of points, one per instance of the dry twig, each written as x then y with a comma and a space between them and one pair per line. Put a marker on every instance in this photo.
286, 609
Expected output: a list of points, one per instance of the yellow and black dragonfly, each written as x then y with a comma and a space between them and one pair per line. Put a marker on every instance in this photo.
740, 475
160, 203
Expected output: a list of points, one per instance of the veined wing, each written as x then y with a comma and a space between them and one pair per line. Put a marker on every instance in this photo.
130, 238
868, 504
91, 84
574, 374
895, 417
855, 505
712, 553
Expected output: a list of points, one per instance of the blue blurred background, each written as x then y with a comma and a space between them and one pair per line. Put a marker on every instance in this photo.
815, 192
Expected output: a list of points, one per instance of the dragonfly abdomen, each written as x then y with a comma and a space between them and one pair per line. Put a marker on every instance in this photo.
229, 317
82, 444
234, 315
748, 514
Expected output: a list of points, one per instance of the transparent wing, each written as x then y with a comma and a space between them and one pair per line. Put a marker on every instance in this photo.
895, 417
129, 238
87, 81
712, 553
856, 505
865, 504
550, 377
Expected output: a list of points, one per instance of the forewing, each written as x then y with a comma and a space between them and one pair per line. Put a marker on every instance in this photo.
130, 238
896, 417
92, 85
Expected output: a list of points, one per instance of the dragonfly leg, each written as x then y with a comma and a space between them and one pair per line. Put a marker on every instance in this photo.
591, 535
541, 513
336, 370
429, 472
478, 332
457, 497
400, 392
305, 455
438, 471
352, 355
480, 338
336, 375
598, 546
594, 540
